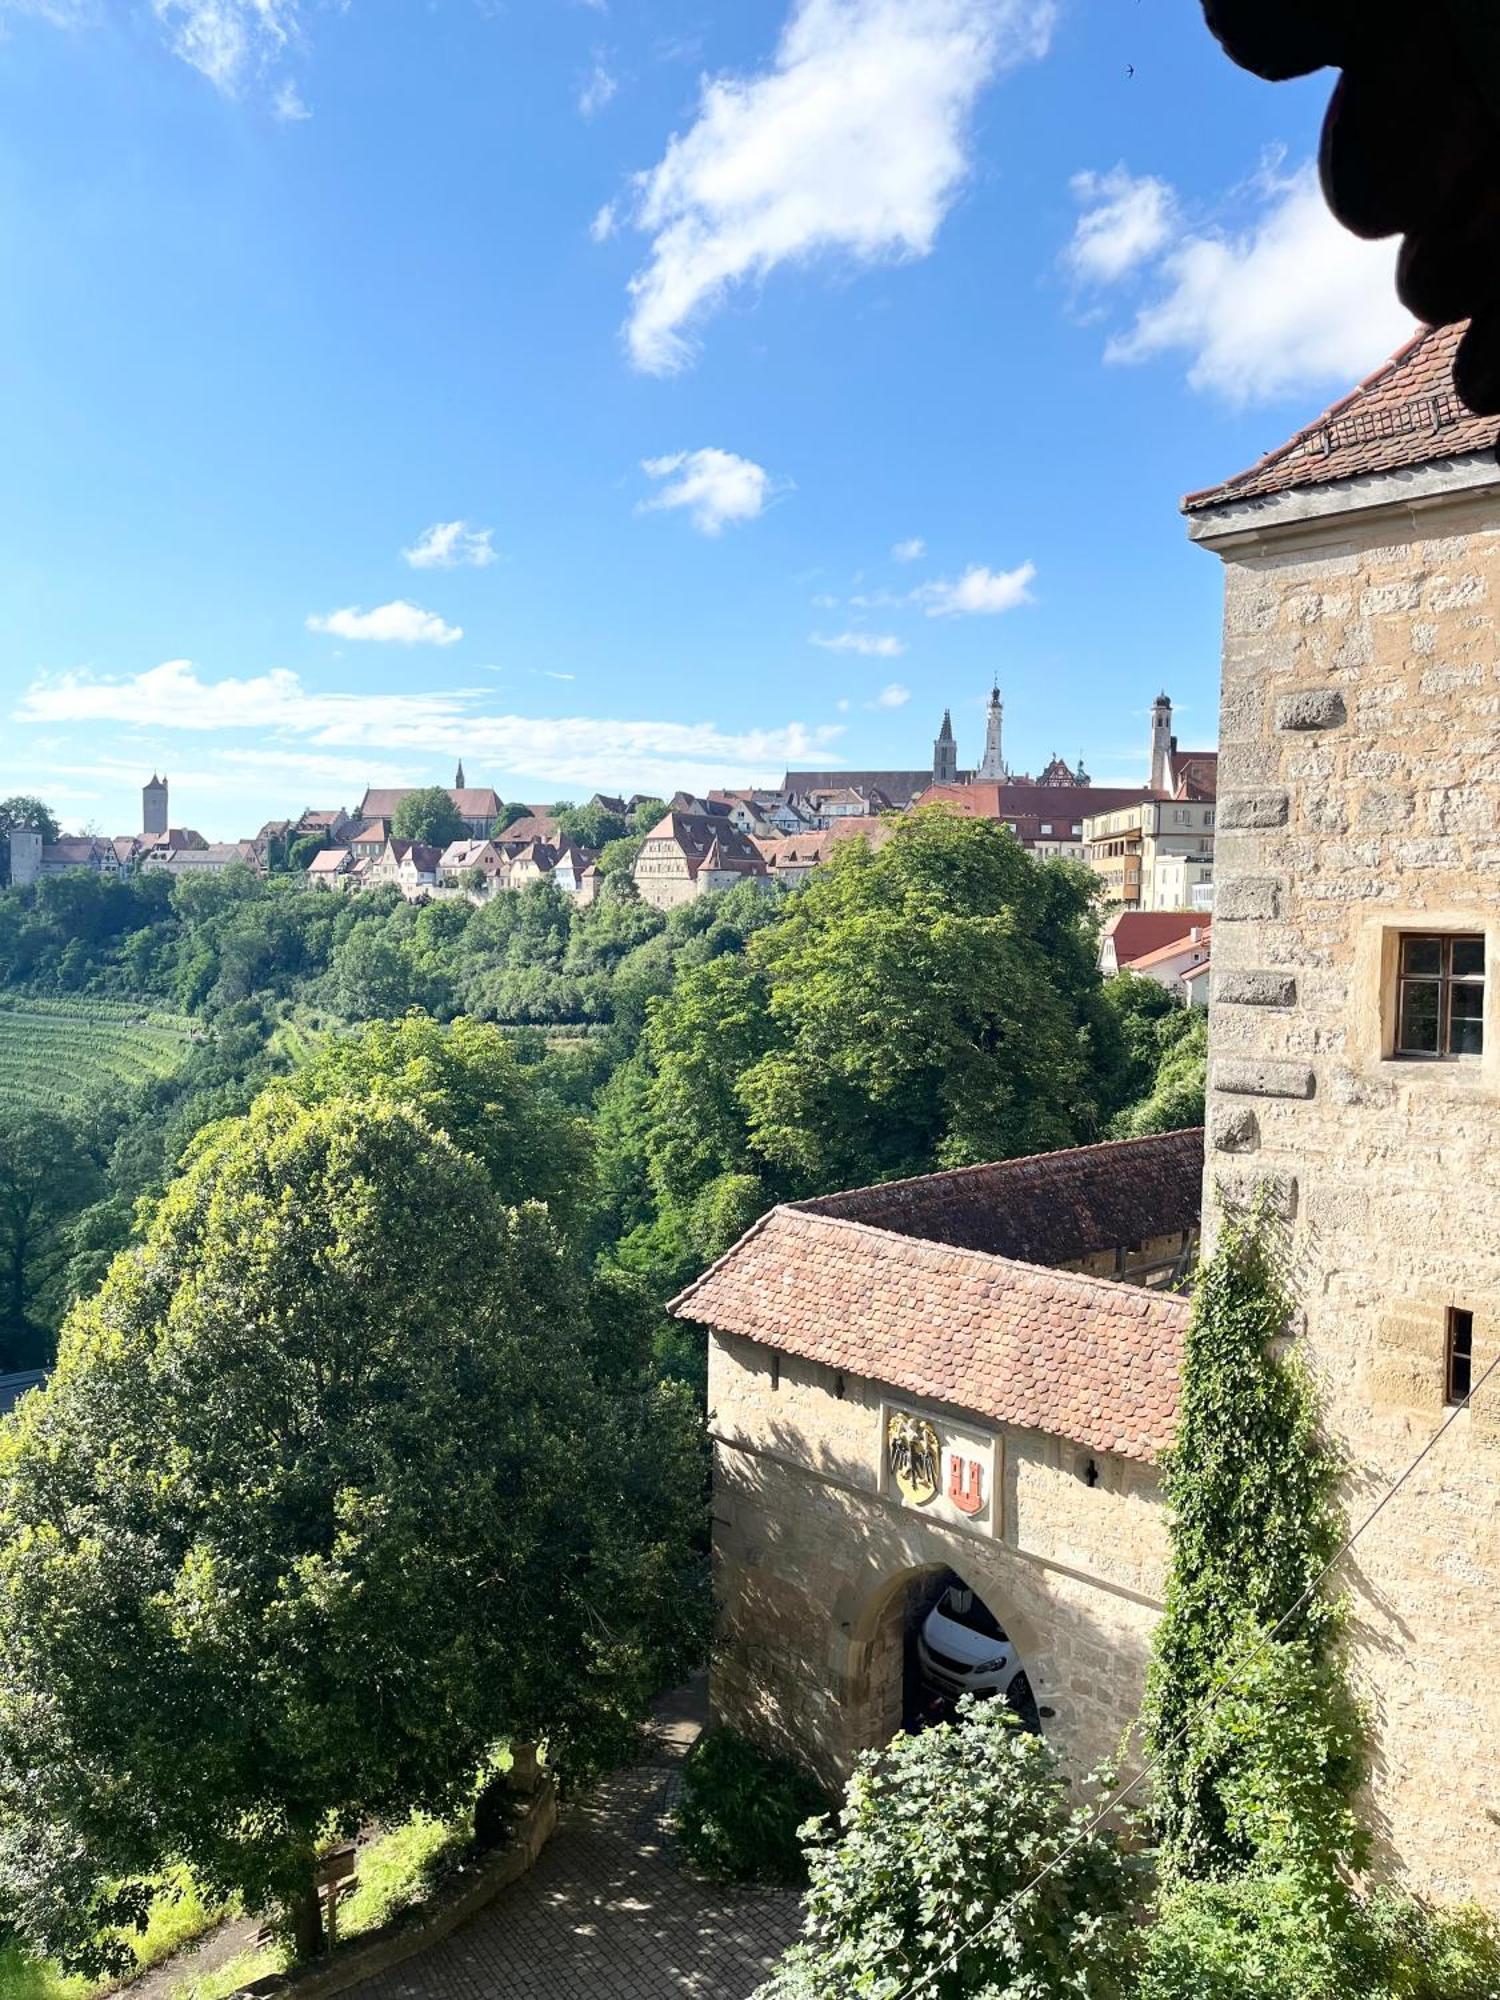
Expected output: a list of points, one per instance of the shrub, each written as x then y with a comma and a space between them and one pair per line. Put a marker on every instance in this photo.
1255, 1936
741, 1809
919, 1885
1420, 1953
1302, 1936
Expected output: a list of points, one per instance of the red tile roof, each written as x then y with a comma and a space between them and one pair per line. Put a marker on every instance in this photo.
1046, 1350
1049, 1208
1405, 414
1164, 954
1050, 1351
982, 798
1135, 933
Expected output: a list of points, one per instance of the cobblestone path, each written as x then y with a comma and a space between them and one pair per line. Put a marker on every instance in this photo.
605, 1914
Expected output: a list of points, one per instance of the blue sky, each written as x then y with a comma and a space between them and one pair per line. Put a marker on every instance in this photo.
627, 395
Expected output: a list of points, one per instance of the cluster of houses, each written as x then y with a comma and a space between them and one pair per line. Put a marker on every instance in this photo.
1152, 844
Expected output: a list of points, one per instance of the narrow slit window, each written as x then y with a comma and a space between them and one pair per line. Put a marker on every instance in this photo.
1440, 998
1460, 1353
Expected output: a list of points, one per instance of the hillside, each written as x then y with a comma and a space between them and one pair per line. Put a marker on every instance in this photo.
55, 1053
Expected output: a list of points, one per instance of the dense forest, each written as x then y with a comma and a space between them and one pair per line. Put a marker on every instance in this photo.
930, 1004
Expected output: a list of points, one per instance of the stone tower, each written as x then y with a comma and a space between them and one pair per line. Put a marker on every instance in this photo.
25, 855
945, 754
154, 807
1162, 744
993, 766
458, 776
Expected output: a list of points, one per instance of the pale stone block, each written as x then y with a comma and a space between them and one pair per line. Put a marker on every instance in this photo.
1311, 708
1248, 899
1253, 810
1234, 1128
1256, 989
1265, 1079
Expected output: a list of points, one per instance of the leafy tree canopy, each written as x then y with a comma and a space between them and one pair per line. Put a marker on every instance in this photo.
918, 1879
430, 816
468, 1082
507, 817
47, 1174
646, 814
320, 1501
592, 825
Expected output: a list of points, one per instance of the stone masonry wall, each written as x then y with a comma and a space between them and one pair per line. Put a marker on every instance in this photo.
814, 1567
1359, 795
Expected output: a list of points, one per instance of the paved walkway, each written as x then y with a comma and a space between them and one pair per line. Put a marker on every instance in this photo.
605, 1913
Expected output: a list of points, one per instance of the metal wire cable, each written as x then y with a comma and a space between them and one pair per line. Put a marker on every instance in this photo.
924, 1980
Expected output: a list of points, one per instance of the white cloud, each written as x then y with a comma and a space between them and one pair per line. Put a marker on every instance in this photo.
855, 140
717, 487
910, 551
977, 590
228, 40
288, 104
1288, 302
604, 224
870, 645
56, 13
1127, 220
436, 725
893, 696
596, 90
398, 623
451, 545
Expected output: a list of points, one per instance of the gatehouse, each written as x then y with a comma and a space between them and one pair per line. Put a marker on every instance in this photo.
962, 1380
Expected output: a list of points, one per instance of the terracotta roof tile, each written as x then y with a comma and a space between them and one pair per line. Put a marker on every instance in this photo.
1054, 1351
1136, 933
1405, 414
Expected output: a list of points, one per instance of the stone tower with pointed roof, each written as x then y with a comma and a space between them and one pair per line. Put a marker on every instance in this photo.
154, 813
945, 754
459, 783
992, 766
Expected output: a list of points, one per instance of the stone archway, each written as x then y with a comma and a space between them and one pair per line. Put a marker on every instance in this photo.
873, 1650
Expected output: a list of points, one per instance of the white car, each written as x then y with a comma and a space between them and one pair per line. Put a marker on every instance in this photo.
961, 1649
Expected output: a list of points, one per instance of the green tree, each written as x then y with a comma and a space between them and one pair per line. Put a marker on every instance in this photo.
321, 1500
920, 1878
507, 817
430, 816
467, 1082
46, 1177
618, 857
1174, 1100
926, 1006
592, 825
17, 811
372, 976
300, 854
647, 813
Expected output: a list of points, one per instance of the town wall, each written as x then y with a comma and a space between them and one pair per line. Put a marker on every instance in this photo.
816, 1567
1359, 796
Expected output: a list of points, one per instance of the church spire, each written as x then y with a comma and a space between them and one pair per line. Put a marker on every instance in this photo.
992, 768
945, 754
458, 776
